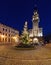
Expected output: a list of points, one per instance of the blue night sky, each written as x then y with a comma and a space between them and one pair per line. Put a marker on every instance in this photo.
15, 12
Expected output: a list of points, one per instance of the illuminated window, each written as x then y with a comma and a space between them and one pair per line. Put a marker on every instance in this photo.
40, 34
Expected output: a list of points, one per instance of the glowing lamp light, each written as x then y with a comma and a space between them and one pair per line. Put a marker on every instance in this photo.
15, 38
35, 40
2, 36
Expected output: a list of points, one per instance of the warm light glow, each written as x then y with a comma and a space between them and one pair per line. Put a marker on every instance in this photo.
15, 38
2, 36
30, 40
35, 40
31, 35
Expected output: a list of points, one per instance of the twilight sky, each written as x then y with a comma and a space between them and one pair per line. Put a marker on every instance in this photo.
15, 12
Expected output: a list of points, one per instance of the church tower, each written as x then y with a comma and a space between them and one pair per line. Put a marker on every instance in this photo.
35, 21
37, 32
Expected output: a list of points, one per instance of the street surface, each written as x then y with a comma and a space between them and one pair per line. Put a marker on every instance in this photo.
11, 56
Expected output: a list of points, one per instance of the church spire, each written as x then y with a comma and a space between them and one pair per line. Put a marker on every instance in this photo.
35, 21
25, 30
35, 15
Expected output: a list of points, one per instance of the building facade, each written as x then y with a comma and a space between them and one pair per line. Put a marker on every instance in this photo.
8, 35
36, 33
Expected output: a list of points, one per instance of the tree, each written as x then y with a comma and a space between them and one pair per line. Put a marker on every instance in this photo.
24, 39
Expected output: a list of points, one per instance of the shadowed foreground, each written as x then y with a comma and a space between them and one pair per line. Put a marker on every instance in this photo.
38, 56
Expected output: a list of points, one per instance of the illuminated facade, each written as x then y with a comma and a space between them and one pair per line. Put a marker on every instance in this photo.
36, 33
8, 35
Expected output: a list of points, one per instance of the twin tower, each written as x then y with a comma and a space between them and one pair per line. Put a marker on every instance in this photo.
36, 33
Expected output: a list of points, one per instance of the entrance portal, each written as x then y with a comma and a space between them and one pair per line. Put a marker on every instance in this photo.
35, 40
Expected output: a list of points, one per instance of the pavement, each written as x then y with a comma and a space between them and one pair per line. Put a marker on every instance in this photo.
38, 56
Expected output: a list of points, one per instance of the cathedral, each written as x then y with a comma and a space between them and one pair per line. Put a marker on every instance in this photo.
36, 33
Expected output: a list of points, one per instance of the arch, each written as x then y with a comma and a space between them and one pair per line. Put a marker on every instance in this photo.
35, 40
